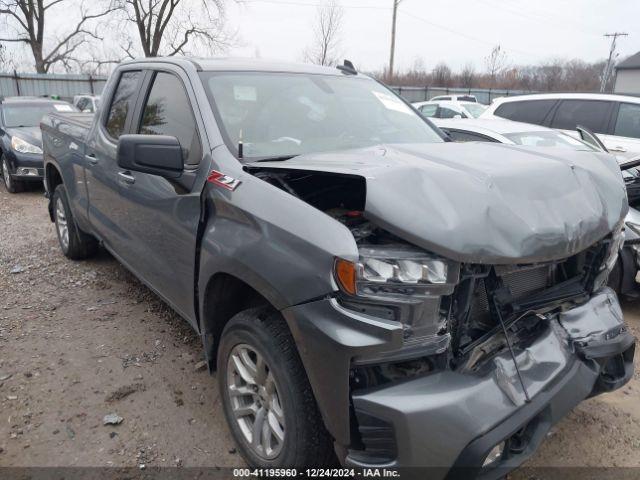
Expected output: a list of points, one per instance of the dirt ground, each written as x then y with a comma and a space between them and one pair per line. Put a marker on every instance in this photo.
80, 340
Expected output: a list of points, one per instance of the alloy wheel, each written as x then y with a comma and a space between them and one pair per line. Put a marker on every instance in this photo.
255, 402
62, 224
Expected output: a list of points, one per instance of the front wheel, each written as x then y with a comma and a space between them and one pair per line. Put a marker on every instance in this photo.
12, 185
266, 395
74, 243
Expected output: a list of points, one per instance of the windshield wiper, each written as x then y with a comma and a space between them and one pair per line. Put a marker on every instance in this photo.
281, 158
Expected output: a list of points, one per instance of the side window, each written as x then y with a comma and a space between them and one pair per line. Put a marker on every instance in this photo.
628, 121
445, 112
530, 111
122, 103
462, 136
592, 114
428, 110
167, 111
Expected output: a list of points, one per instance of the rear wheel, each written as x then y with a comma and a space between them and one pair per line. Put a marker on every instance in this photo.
266, 395
12, 185
75, 244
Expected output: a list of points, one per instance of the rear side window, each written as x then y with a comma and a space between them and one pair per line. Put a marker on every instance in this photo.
592, 114
628, 121
530, 111
167, 111
122, 103
428, 110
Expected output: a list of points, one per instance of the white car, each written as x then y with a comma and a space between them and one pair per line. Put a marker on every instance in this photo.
615, 118
87, 103
455, 98
450, 109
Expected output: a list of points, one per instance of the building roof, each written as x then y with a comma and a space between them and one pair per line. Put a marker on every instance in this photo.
632, 62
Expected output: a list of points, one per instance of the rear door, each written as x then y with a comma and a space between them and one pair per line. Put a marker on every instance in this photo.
100, 161
593, 114
159, 217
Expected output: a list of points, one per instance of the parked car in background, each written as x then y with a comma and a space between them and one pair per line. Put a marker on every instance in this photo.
454, 98
450, 109
21, 139
367, 291
623, 277
614, 118
87, 103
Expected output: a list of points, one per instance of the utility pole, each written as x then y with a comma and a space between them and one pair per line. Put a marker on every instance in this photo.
393, 36
612, 56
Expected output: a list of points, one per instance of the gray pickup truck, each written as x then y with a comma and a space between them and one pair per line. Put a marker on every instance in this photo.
368, 292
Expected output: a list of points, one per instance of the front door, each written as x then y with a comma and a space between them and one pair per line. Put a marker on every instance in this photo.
160, 217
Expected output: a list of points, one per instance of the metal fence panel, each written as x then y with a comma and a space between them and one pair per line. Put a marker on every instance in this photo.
41, 84
484, 95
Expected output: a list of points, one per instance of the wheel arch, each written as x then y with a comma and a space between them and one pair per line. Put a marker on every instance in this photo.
52, 178
224, 296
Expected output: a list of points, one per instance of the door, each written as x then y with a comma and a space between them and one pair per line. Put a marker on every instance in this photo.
592, 114
159, 217
100, 163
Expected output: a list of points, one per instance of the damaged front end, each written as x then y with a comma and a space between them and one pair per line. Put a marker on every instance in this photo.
459, 354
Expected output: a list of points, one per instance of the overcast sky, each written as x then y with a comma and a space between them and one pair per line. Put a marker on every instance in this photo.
455, 31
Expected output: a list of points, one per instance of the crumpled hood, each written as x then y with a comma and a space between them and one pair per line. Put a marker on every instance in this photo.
484, 202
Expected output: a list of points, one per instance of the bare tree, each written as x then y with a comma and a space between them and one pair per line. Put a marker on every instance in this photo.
326, 42
495, 62
467, 76
28, 20
441, 75
168, 27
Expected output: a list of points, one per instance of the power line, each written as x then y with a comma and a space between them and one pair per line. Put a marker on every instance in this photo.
462, 34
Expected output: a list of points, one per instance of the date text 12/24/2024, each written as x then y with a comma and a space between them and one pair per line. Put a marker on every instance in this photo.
315, 473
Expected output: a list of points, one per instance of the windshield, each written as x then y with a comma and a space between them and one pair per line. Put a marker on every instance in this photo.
30, 115
288, 114
548, 139
475, 109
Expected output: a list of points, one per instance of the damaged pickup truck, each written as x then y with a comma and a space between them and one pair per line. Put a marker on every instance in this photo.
367, 292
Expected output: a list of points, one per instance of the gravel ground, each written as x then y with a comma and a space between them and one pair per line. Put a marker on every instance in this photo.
81, 340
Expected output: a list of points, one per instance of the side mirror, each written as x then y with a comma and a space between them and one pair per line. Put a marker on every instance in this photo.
155, 154
457, 116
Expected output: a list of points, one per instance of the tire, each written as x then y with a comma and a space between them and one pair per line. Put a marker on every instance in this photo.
12, 185
74, 243
286, 399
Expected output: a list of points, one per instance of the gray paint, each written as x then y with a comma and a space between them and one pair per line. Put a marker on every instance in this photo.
483, 202
470, 203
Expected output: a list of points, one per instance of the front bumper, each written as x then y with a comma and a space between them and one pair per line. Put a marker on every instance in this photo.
25, 166
452, 419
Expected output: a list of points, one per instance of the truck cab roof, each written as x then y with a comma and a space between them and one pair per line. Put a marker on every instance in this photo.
226, 64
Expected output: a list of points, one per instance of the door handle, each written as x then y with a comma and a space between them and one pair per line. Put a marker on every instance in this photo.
618, 149
126, 177
91, 159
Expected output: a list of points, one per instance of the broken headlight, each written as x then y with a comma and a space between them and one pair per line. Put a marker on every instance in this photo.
394, 271
617, 240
